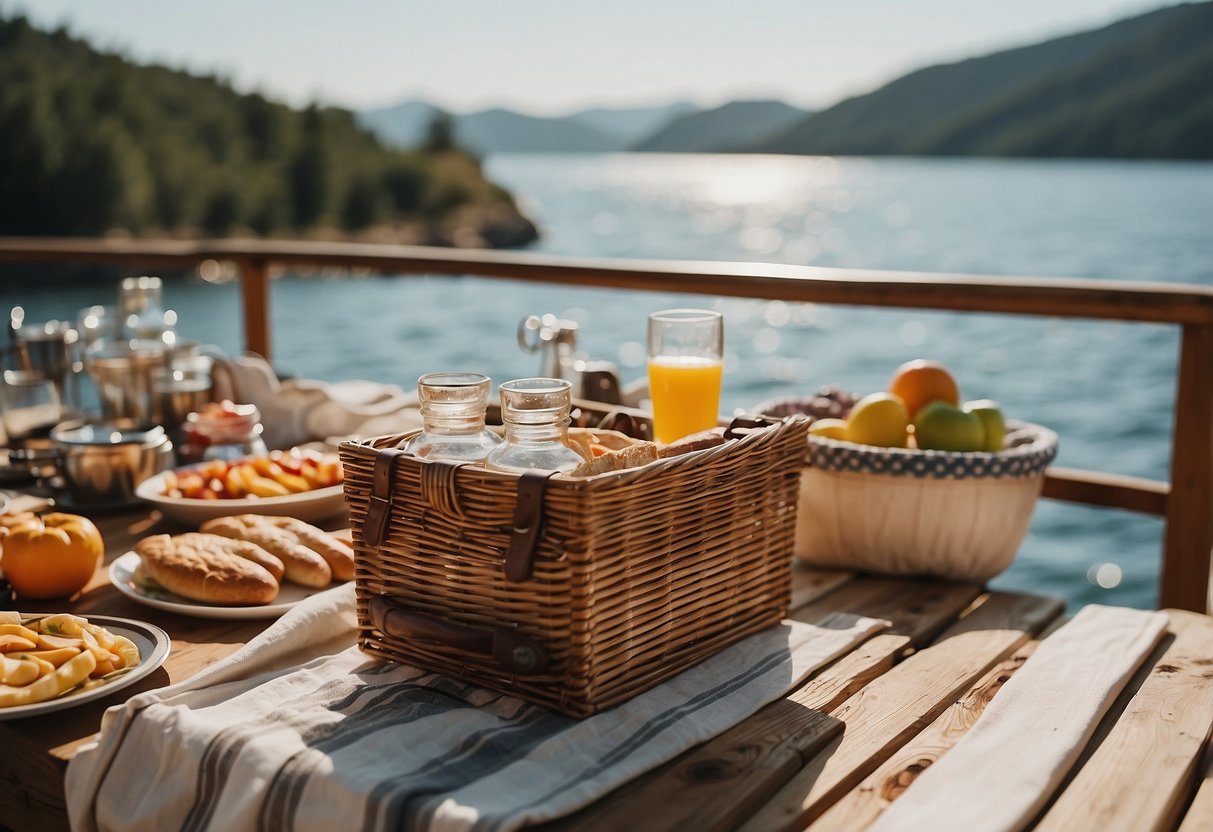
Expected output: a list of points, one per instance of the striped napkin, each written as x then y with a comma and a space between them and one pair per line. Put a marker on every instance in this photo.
300, 730
1004, 770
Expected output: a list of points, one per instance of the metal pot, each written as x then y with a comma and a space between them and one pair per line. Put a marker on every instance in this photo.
101, 463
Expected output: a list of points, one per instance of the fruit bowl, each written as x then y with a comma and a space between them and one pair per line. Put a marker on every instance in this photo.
310, 506
921, 512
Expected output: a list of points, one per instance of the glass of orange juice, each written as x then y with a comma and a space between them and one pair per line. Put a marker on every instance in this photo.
686, 348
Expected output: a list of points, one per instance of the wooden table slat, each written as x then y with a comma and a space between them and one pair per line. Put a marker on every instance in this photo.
864, 804
810, 584
890, 710
1199, 816
1141, 775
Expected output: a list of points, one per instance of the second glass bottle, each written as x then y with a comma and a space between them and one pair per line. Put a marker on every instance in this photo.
535, 412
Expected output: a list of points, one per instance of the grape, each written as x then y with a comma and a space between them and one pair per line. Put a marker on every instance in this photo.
830, 402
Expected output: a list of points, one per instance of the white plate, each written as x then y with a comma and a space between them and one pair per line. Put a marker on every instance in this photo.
153, 644
122, 575
309, 505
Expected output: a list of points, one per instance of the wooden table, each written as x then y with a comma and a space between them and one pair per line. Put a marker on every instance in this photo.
831, 755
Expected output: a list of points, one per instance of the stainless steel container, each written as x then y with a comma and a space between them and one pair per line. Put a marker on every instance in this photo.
101, 463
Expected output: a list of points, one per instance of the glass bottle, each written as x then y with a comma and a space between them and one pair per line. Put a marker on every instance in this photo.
535, 412
453, 407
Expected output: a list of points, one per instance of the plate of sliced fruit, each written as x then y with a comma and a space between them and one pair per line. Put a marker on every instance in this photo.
303, 484
58, 661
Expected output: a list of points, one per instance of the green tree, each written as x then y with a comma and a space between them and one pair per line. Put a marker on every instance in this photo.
363, 204
222, 211
308, 173
440, 135
405, 183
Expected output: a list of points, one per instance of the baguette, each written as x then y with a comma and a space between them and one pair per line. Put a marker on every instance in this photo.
632, 456
201, 567
302, 565
338, 554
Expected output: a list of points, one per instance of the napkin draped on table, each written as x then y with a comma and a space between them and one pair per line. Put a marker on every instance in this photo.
300, 730
1000, 774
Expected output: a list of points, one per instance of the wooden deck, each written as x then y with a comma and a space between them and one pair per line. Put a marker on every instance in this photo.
832, 755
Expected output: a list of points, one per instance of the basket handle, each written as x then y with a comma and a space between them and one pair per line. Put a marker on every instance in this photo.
516, 654
745, 425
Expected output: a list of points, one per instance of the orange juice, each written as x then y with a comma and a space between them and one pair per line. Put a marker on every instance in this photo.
686, 395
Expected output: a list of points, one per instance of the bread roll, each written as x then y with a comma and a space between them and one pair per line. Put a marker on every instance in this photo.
633, 456
199, 567
239, 548
695, 442
338, 554
302, 565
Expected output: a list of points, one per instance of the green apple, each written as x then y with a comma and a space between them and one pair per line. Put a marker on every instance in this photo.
942, 426
991, 419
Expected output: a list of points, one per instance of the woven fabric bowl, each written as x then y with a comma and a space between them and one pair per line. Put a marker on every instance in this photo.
911, 512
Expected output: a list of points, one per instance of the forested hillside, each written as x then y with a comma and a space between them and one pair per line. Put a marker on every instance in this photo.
90, 142
1139, 88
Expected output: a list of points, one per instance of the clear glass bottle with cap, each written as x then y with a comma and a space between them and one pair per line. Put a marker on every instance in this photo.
453, 406
535, 412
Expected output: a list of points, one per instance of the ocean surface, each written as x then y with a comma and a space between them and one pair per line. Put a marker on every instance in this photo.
1106, 388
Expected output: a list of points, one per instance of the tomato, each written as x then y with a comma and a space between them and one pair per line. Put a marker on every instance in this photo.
52, 556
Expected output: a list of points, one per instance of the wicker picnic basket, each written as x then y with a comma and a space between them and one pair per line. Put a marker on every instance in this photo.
577, 594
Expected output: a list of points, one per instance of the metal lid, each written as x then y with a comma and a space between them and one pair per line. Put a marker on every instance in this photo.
108, 433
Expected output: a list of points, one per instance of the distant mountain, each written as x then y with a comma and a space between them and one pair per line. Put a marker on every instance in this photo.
1141, 87
630, 125
402, 125
490, 131
736, 124
505, 131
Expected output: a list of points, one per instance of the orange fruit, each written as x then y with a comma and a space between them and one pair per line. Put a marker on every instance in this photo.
879, 419
919, 382
52, 556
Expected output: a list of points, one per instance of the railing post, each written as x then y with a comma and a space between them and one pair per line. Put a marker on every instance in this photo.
255, 288
1184, 582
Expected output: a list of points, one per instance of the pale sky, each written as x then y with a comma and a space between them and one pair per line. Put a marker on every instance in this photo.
553, 56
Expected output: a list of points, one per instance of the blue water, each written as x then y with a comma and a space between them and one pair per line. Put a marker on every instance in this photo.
1106, 388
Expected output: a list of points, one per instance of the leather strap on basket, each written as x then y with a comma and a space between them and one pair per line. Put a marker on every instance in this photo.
745, 425
524, 534
515, 653
379, 512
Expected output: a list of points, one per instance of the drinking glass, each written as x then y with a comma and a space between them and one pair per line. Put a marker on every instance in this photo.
30, 404
685, 350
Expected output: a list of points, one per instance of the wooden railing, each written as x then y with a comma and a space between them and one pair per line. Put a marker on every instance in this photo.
1185, 502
